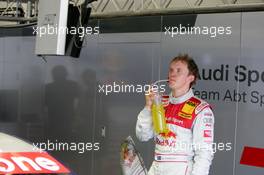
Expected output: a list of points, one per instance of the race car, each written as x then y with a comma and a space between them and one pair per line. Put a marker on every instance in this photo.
19, 157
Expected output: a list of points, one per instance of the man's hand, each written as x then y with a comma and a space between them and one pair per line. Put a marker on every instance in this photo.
149, 97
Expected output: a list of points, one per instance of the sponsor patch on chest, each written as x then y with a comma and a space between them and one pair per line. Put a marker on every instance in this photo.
189, 107
183, 115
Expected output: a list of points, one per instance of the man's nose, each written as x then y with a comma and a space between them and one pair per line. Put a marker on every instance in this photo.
173, 75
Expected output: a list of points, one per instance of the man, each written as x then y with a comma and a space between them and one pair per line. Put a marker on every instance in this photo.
187, 150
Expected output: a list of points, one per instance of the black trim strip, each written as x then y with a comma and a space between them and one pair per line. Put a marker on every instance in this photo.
131, 24
120, 25
21, 31
177, 20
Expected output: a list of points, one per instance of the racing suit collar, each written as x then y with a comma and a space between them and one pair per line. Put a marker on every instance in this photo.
181, 99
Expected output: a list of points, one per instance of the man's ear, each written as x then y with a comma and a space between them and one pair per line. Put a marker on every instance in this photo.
191, 78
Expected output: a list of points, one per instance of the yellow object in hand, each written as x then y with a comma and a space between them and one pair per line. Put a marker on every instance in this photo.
158, 119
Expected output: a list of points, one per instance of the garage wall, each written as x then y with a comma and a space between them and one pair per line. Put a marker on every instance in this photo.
135, 51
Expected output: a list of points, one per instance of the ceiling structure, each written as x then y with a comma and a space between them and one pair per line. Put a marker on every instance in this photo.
25, 11
106, 6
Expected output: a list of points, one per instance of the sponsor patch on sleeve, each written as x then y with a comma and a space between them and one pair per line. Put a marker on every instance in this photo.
208, 133
201, 107
208, 122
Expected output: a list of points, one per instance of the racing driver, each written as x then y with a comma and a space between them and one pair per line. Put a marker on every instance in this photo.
188, 148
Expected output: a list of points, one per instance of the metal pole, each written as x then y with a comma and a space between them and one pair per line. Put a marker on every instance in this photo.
7, 2
29, 8
17, 4
36, 8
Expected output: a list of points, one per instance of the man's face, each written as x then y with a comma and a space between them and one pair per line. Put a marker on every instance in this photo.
179, 78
